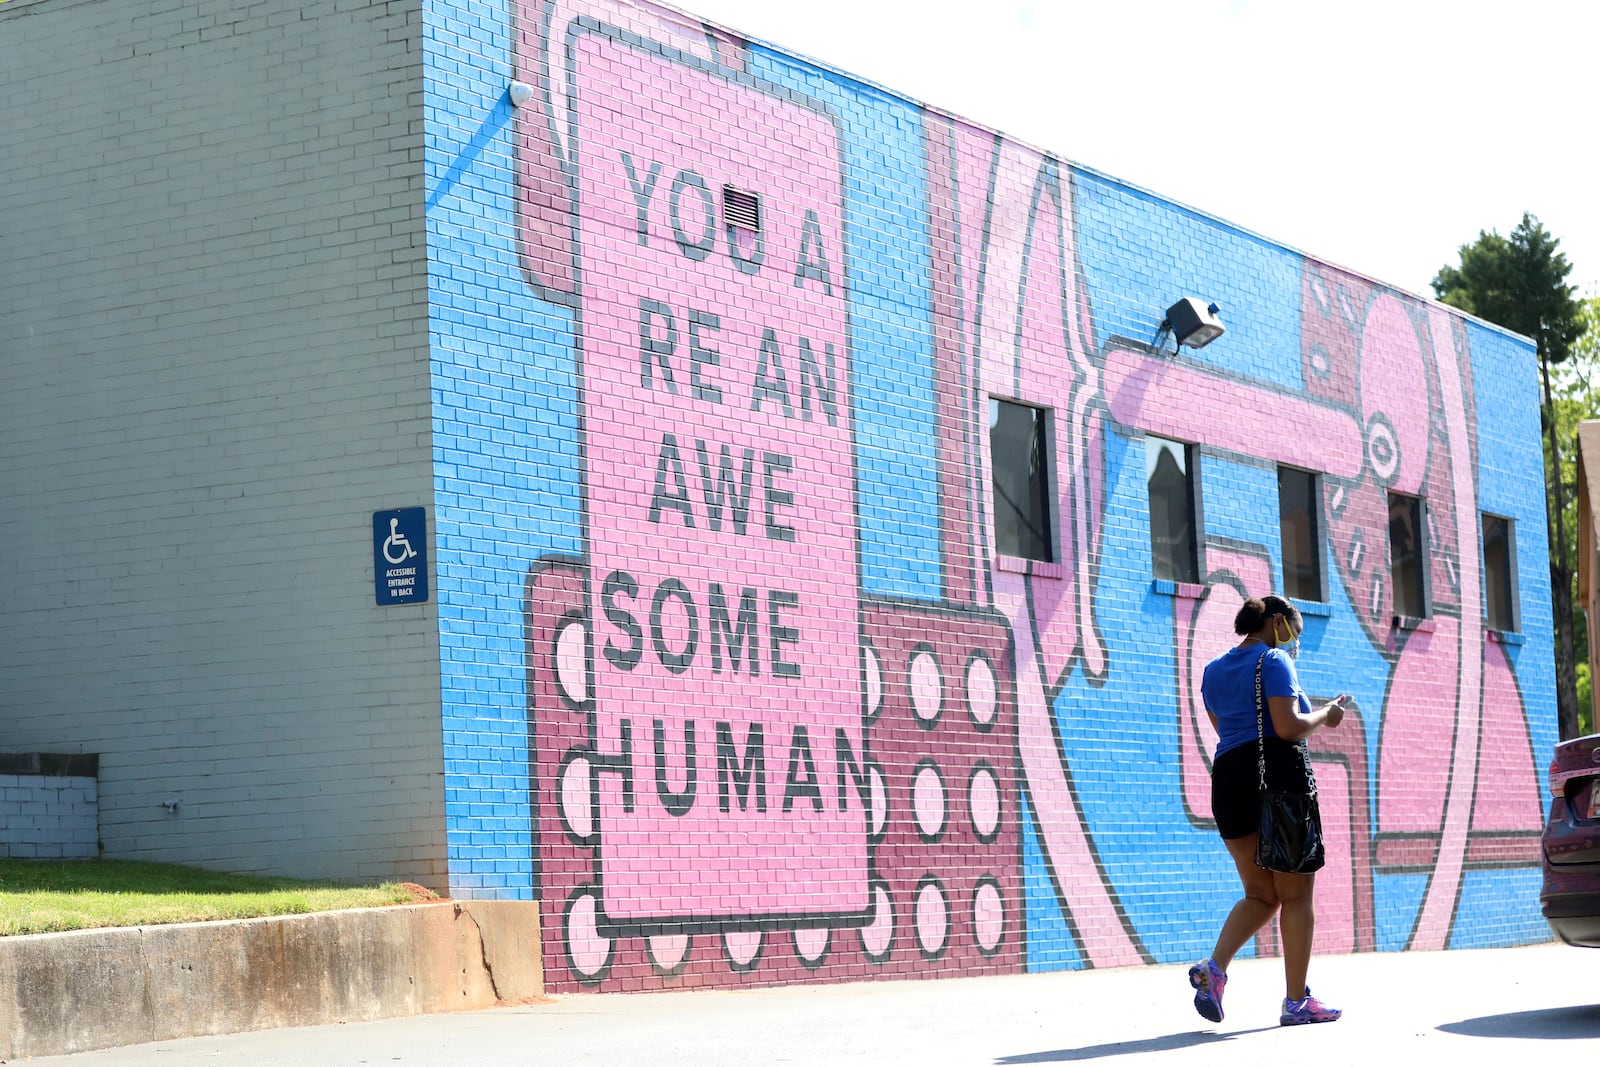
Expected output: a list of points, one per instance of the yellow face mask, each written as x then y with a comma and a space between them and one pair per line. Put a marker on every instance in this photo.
1292, 640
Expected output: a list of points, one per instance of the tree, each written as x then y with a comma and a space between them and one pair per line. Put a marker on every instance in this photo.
1520, 282
1575, 386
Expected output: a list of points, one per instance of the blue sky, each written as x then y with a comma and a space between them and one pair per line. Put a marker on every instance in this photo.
1380, 135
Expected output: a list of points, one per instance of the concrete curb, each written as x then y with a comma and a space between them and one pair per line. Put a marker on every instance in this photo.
93, 989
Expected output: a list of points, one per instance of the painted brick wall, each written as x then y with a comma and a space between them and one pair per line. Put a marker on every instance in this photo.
214, 371
722, 665
48, 817
834, 734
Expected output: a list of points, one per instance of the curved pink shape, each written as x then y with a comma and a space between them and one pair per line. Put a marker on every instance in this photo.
742, 945
1444, 887
932, 917
1062, 834
1181, 400
1510, 800
669, 950
988, 917
878, 934
1394, 374
587, 948
1029, 341
1413, 775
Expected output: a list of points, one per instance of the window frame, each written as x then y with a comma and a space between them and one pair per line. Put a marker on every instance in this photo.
1423, 551
1044, 437
1319, 538
1511, 586
1191, 473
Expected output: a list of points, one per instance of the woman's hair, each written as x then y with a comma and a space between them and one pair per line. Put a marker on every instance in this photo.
1256, 611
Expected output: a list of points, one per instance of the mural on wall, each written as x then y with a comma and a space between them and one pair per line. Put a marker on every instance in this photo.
748, 768
1386, 381
722, 722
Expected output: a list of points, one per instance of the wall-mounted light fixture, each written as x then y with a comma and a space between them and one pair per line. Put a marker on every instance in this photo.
520, 93
1193, 323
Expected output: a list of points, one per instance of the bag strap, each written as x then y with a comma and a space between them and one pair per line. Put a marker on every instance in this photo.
1261, 732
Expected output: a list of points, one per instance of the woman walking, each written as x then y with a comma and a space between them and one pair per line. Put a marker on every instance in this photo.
1244, 740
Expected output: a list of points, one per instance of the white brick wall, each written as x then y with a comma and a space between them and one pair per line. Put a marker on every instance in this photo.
214, 369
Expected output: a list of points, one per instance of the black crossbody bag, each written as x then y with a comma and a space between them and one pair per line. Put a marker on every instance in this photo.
1290, 838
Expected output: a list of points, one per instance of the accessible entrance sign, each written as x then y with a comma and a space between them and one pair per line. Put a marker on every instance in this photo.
400, 556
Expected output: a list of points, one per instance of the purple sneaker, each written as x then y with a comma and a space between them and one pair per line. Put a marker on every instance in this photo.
1209, 982
1309, 1010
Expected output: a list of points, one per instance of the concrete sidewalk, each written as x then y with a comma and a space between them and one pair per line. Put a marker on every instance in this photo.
1468, 1006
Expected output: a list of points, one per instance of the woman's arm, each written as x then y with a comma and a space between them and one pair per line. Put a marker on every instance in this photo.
1291, 725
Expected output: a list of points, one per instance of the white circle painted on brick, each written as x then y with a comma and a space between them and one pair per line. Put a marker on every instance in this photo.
878, 790
667, 951
811, 942
571, 668
742, 945
927, 799
927, 688
576, 779
587, 949
872, 671
988, 916
877, 934
933, 918
983, 802
982, 693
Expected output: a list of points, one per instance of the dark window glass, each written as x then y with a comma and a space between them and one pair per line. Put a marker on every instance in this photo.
1173, 537
1300, 527
1499, 589
1408, 555
1020, 456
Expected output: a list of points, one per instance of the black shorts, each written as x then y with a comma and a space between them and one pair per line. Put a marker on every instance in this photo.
1235, 783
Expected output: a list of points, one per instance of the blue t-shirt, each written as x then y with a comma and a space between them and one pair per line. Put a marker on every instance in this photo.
1228, 688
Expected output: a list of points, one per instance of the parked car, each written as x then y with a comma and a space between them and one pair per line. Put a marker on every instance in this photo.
1570, 844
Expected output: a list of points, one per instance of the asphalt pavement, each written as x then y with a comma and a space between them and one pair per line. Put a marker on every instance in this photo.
1467, 1006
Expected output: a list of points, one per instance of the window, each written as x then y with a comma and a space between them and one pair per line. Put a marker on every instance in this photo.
1408, 555
1019, 452
1499, 576
1174, 541
1300, 528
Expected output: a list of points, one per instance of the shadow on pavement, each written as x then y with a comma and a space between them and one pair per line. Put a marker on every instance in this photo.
1129, 1048
1552, 1024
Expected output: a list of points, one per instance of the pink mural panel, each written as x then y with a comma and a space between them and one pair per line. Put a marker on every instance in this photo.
720, 491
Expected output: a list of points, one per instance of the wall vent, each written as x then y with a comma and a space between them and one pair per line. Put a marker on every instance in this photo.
741, 209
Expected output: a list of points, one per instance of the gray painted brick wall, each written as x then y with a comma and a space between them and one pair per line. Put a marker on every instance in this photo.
48, 817
214, 369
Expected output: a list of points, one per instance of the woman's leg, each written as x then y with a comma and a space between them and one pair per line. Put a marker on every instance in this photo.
1297, 924
1254, 909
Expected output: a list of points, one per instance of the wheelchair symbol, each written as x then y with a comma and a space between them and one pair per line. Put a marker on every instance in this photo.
397, 547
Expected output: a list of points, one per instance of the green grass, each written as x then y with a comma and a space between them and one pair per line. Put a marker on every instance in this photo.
44, 896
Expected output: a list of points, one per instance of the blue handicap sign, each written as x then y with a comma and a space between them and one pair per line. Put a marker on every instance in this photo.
400, 556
